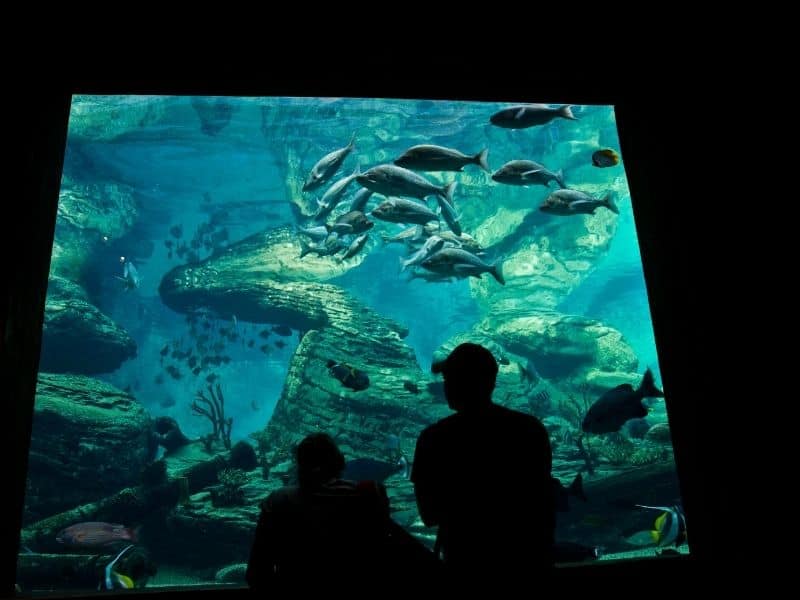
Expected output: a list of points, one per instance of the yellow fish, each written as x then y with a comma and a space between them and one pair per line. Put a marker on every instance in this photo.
605, 158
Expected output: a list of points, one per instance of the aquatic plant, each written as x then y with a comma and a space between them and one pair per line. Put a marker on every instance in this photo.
214, 411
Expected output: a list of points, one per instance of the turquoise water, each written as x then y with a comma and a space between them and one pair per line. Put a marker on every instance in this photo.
225, 169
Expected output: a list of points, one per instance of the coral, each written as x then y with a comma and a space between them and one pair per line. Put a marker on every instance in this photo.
617, 449
243, 457
215, 412
230, 492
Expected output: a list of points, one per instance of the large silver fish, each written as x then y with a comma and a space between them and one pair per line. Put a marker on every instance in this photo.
398, 210
360, 199
527, 172
528, 115
432, 244
333, 196
458, 263
327, 166
391, 180
427, 157
355, 247
573, 202
449, 215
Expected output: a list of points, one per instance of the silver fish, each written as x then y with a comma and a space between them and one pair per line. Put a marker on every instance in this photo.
327, 166
527, 172
458, 262
427, 157
391, 180
574, 202
398, 210
528, 115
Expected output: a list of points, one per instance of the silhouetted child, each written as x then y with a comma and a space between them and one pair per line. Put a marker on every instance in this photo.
325, 529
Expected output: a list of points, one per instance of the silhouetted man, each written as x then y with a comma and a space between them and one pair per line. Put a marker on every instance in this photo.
483, 476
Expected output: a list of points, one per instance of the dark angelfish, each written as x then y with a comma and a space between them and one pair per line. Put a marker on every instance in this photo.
610, 412
349, 376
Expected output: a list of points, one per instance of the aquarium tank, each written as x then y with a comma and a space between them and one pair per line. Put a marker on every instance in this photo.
231, 274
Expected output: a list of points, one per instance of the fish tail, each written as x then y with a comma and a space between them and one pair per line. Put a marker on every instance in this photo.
497, 272
609, 203
566, 112
352, 143
576, 488
304, 248
648, 387
480, 160
560, 179
404, 264
447, 191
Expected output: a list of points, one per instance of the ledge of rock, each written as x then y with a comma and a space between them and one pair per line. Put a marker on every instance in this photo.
88, 440
77, 337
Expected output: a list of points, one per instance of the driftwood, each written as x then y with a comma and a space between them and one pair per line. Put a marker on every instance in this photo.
57, 572
128, 506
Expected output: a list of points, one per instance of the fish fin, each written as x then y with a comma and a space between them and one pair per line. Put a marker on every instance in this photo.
448, 191
124, 581
531, 172
655, 535
519, 113
480, 159
560, 179
648, 387
497, 272
566, 112
609, 203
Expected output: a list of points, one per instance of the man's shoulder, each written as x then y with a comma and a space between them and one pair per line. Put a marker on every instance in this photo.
440, 427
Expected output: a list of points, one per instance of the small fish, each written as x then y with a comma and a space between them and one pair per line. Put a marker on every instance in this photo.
165, 350
251, 343
669, 528
283, 330
280, 344
196, 371
265, 348
113, 578
95, 534
351, 377
264, 333
605, 158
411, 387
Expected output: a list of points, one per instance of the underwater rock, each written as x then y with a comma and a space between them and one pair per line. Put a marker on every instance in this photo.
610, 513
232, 574
105, 118
90, 216
77, 337
562, 345
196, 528
261, 279
243, 457
214, 114
88, 440
108, 209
